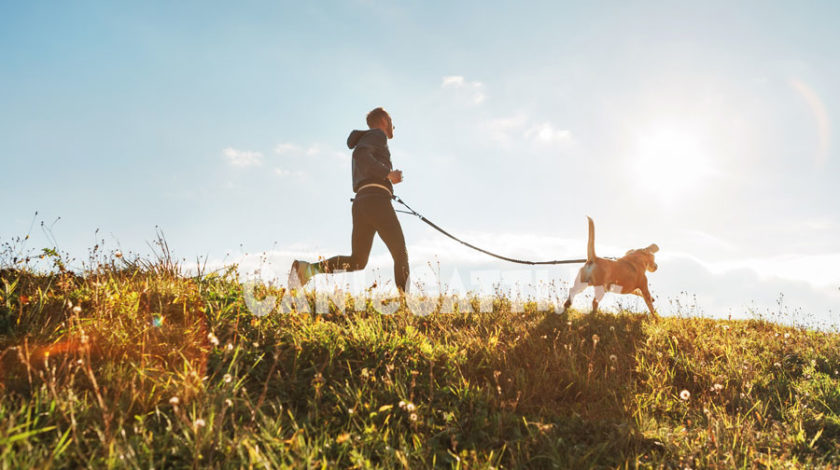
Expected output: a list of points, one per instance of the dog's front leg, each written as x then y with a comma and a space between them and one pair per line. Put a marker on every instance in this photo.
648, 299
575, 290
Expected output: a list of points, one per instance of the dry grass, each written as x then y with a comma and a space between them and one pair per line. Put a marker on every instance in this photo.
133, 365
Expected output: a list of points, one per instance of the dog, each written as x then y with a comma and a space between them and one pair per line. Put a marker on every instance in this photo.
626, 275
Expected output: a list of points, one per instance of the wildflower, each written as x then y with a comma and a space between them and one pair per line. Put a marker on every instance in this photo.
776, 364
350, 411
213, 340
612, 329
413, 417
613, 358
255, 344
409, 407
229, 347
174, 401
199, 423
717, 387
228, 378
69, 304
787, 335
77, 310
685, 395
228, 402
402, 404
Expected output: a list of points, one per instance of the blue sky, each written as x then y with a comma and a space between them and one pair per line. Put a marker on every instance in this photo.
710, 129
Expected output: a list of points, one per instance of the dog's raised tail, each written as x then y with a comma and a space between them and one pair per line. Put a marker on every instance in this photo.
590, 245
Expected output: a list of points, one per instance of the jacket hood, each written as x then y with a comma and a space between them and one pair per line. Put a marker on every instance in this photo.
354, 137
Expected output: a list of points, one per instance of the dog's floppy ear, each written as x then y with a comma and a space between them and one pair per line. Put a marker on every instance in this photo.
653, 248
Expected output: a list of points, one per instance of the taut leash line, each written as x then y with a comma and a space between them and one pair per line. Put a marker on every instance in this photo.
505, 258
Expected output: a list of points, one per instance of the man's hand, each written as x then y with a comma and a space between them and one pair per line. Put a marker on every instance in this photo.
395, 176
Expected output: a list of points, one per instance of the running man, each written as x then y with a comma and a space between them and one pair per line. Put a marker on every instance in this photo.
373, 180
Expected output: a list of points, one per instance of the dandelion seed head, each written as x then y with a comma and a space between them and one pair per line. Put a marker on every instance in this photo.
413, 417
685, 395
613, 358
409, 407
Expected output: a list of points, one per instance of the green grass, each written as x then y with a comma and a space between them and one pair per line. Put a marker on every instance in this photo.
156, 369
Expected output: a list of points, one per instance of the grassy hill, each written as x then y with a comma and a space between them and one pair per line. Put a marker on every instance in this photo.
141, 367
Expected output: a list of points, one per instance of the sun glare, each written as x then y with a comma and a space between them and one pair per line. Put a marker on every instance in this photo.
670, 163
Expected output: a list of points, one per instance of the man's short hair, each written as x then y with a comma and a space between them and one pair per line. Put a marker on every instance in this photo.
375, 116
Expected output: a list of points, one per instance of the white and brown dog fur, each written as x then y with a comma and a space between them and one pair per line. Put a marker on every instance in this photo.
626, 275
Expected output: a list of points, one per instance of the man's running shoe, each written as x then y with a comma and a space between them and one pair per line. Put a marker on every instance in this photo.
299, 274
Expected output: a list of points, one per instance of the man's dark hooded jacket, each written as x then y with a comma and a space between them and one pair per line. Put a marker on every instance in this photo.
371, 158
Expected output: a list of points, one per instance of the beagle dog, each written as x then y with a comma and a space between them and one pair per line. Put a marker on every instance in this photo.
626, 275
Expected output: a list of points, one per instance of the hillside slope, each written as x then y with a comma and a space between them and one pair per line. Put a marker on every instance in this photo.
144, 367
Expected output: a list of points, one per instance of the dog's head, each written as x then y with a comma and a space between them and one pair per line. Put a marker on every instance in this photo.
645, 255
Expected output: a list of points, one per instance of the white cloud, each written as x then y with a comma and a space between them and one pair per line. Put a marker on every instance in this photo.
503, 130
520, 128
474, 91
546, 133
311, 150
283, 172
285, 148
242, 158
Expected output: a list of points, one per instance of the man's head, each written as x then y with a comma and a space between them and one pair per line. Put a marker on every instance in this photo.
380, 119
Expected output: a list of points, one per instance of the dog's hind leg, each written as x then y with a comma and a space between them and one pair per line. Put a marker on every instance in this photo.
576, 289
599, 294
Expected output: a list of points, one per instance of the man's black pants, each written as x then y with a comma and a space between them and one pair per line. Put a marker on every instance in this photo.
373, 213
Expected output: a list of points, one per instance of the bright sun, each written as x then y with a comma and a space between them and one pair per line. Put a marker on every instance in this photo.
670, 163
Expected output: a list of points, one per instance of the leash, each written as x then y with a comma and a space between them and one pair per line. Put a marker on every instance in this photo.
505, 258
